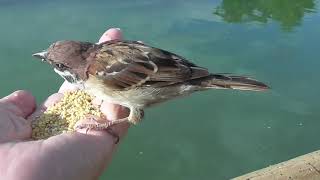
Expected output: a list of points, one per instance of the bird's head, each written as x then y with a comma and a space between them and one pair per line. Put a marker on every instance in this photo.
70, 59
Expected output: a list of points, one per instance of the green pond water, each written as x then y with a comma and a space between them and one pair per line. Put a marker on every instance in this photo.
216, 134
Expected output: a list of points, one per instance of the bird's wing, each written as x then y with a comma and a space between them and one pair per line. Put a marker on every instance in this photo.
129, 64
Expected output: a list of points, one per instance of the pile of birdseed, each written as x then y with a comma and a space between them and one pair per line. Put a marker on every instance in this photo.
62, 116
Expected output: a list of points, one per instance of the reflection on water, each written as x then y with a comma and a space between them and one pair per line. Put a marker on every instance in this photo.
289, 13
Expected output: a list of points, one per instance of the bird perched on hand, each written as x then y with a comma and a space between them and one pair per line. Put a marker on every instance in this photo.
134, 74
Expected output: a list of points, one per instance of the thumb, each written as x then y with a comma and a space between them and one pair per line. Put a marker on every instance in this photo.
111, 34
20, 102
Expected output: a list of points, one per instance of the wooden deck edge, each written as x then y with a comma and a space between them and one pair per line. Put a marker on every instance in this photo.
305, 167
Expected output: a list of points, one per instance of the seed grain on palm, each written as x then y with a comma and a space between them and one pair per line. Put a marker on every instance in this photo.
62, 116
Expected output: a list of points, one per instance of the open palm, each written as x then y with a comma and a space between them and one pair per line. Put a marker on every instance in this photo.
66, 156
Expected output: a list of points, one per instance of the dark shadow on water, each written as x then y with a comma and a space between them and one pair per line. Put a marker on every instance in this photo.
289, 13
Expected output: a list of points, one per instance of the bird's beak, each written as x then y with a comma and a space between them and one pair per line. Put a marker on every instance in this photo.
41, 55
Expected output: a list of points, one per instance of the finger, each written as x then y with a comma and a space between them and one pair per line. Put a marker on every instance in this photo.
13, 127
119, 129
114, 111
88, 131
111, 34
23, 103
51, 100
66, 87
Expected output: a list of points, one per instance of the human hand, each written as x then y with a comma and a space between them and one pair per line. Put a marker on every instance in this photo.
65, 156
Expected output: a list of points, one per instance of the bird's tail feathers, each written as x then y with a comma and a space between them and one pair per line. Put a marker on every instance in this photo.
229, 81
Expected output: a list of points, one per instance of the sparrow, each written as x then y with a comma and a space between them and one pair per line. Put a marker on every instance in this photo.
135, 75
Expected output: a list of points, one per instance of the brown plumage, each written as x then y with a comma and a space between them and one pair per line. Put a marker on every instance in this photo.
136, 75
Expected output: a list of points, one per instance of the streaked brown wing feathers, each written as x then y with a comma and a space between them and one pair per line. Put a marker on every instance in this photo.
127, 64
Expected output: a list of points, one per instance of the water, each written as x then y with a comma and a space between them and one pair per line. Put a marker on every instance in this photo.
210, 135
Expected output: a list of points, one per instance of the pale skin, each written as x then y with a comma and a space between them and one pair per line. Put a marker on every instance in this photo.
70, 156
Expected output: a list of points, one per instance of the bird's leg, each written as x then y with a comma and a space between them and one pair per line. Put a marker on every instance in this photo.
135, 115
100, 124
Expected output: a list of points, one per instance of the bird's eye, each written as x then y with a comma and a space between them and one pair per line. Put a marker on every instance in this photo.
60, 66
